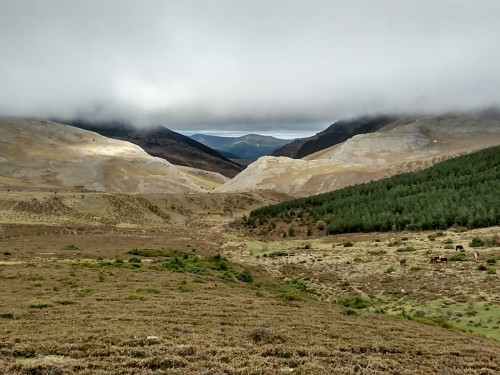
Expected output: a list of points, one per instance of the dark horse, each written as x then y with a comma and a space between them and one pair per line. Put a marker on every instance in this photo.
459, 248
434, 259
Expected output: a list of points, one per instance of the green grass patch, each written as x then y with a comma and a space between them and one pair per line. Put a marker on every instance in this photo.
40, 304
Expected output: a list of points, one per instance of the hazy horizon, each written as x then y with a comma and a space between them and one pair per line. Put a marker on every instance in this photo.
233, 67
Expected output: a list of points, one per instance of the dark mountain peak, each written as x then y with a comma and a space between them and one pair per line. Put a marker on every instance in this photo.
164, 143
338, 132
249, 147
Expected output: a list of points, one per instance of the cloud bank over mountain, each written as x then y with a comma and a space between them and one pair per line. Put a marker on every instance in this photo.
246, 65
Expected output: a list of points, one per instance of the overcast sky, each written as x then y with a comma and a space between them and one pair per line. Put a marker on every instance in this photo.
230, 66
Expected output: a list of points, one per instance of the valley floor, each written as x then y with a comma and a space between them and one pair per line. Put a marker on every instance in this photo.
131, 295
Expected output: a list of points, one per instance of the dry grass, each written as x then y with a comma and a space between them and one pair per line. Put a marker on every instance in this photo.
67, 306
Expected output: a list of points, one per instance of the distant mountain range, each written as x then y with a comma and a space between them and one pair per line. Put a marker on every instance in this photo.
161, 142
248, 147
339, 132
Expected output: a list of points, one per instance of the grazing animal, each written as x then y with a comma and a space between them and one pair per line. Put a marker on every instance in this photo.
459, 248
434, 259
443, 259
402, 262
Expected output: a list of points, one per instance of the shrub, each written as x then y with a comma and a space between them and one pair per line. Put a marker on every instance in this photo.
388, 279
491, 270
458, 257
355, 302
448, 246
406, 249
491, 261
291, 295
348, 244
40, 304
345, 283
278, 253
350, 312
134, 260
476, 242
71, 247
7, 253
390, 269
482, 267
185, 286
298, 284
291, 232
377, 252
406, 315
245, 276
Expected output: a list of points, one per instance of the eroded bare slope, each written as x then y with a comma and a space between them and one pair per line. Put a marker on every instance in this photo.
46, 154
404, 145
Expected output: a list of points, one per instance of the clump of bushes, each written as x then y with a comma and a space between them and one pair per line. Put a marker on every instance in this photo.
245, 276
348, 244
355, 302
458, 257
476, 242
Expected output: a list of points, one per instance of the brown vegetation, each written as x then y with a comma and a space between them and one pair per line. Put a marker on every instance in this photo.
77, 299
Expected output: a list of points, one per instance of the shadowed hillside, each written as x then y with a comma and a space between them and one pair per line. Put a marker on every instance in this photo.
164, 143
250, 147
334, 134
406, 144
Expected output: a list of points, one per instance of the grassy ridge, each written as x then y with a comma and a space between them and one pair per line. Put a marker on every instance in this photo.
461, 191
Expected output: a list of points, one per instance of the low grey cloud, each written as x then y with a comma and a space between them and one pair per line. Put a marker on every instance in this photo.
237, 65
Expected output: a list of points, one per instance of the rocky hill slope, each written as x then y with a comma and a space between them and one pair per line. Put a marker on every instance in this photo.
402, 145
334, 134
42, 154
164, 143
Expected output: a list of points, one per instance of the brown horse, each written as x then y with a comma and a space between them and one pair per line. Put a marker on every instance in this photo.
434, 259
459, 248
443, 259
